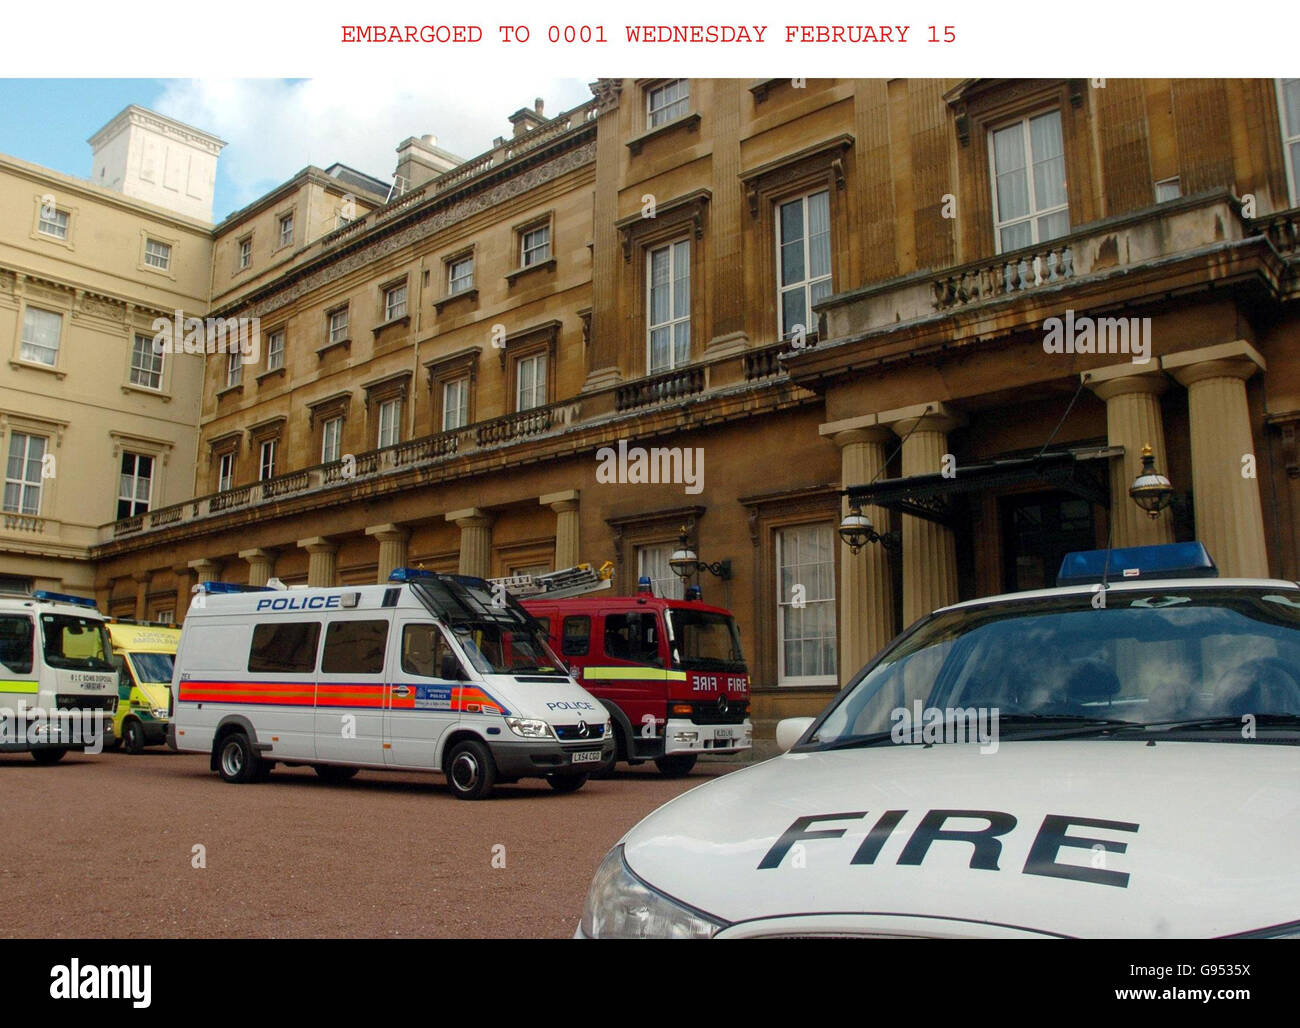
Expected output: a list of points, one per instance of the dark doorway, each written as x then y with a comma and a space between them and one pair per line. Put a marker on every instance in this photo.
1038, 529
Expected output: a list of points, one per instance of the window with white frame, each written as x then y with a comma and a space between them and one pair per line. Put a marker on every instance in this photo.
455, 404
652, 563
286, 229
1030, 204
157, 255
266, 459
134, 484
395, 302
275, 350
146, 363
530, 382
535, 246
234, 369
245, 252
1168, 189
803, 238
41, 332
165, 615
668, 306
53, 222
1288, 96
390, 422
331, 440
225, 472
338, 325
805, 557
460, 275
667, 102
23, 473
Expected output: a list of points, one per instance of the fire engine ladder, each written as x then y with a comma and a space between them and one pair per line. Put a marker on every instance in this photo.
575, 581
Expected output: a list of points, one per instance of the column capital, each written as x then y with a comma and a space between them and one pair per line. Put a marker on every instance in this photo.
257, 554
389, 533
205, 564
922, 417
561, 501
863, 429
1227, 360
1123, 379
319, 544
140, 577
469, 517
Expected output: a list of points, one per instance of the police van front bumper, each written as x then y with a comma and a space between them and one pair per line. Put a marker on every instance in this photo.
684, 736
530, 759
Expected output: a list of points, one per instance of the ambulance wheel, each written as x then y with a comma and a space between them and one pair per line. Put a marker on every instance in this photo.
470, 770
49, 755
237, 761
132, 735
675, 766
334, 774
566, 783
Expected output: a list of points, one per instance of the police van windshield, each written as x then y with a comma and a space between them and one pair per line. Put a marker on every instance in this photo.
1195, 658
502, 650
154, 668
76, 643
706, 641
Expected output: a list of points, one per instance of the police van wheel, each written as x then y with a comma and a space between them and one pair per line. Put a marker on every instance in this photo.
676, 765
566, 783
471, 772
49, 755
237, 762
333, 774
132, 736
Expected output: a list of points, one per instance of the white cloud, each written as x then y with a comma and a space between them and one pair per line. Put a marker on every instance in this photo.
274, 128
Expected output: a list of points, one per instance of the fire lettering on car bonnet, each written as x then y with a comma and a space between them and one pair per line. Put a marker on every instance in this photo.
1053, 836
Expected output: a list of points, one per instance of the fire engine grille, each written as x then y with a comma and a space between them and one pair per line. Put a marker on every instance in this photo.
708, 713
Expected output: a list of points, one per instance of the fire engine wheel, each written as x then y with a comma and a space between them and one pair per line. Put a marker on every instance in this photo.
132, 735
675, 766
49, 755
237, 762
471, 772
334, 774
566, 783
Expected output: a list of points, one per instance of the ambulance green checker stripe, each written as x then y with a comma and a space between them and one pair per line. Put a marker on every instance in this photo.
12, 685
612, 674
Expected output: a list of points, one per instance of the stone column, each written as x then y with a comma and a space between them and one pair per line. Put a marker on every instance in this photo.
1133, 420
475, 541
929, 549
205, 570
565, 505
141, 579
321, 561
392, 548
866, 589
261, 565
1229, 515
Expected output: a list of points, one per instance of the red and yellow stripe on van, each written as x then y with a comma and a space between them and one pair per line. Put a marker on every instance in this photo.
468, 699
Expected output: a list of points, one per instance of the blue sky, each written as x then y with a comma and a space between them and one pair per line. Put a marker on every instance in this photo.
274, 127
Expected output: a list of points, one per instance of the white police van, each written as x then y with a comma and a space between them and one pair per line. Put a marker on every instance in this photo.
58, 682
428, 672
1118, 756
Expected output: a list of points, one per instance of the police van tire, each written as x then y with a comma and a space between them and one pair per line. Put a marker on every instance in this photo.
132, 735
675, 765
49, 754
335, 773
471, 771
237, 761
566, 783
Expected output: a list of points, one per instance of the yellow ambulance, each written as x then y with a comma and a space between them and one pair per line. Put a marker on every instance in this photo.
147, 654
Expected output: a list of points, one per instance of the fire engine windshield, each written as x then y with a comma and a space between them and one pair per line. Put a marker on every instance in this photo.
704, 640
502, 650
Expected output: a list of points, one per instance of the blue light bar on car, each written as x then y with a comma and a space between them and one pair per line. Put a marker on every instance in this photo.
1170, 560
80, 601
213, 588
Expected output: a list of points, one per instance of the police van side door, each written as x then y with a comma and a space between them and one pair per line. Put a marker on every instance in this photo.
420, 704
350, 688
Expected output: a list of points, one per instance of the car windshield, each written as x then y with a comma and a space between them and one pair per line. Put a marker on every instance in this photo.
498, 649
704, 640
77, 643
1189, 657
155, 668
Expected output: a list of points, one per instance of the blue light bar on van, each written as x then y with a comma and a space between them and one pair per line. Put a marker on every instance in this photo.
408, 574
214, 588
80, 601
1170, 560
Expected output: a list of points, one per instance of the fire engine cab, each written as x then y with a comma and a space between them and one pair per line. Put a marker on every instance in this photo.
671, 673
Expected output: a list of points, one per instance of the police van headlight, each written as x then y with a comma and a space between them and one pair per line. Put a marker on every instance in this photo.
529, 728
621, 906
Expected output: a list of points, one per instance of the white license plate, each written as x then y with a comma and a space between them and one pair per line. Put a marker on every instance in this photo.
720, 736
587, 757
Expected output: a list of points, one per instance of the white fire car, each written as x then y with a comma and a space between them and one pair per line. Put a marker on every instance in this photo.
1106, 758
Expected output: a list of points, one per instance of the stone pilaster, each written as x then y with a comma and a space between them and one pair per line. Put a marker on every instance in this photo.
184, 584
1133, 420
475, 541
392, 548
141, 579
567, 548
261, 565
322, 560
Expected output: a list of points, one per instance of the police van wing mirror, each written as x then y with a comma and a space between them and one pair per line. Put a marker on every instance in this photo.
451, 670
789, 730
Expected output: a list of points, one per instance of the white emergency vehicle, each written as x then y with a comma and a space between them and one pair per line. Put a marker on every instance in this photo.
427, 672
1118, 756
58, 683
